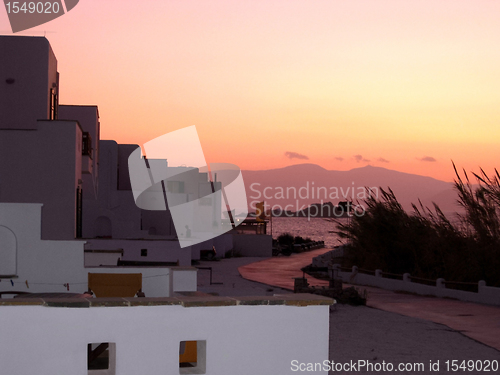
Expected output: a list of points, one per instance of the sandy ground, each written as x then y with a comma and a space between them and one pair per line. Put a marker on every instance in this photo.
365, 333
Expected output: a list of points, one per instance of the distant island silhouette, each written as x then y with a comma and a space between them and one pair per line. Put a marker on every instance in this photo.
281, 187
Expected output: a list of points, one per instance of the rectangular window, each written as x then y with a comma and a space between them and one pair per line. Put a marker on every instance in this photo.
101, 358
87, 144
192, 357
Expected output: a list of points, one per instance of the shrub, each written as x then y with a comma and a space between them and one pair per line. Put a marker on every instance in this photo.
352, 296
285, 239
425, 243
298, 240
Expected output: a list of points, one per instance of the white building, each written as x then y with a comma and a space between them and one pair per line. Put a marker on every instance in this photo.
83, 182
67, 211
40, 157
51, 155
53, 169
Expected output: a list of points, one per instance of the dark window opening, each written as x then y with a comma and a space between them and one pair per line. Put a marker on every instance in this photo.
79, 217
144, 252
192, 357
98, 356
87, 144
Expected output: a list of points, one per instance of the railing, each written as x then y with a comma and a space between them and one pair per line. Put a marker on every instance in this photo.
421, 280
366, 272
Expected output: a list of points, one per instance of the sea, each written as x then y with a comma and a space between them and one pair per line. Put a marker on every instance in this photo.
317, 229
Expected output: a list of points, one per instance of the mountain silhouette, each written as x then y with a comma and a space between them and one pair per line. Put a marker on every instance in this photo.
282, 186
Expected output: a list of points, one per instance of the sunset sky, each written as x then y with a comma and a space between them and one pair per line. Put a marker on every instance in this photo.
403, 84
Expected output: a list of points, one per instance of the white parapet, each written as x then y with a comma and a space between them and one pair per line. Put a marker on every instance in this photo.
245, 335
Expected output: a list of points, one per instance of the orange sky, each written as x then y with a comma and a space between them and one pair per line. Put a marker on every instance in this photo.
399, 83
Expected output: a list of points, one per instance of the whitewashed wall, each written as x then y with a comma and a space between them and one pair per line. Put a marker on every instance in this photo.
30, 173
32, 64
88, 118
46, 266
242, 339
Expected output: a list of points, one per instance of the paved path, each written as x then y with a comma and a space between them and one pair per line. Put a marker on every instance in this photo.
479, 322
280, 271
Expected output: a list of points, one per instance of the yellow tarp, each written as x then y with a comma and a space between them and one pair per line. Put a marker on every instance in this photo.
115, 284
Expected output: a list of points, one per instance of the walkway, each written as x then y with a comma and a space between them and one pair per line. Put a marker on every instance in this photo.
479, 322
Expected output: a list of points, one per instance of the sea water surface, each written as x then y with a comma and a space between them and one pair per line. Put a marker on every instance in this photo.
317, 229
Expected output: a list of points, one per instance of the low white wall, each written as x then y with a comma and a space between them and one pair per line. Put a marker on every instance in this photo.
487, 295
253, 245
240, 339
